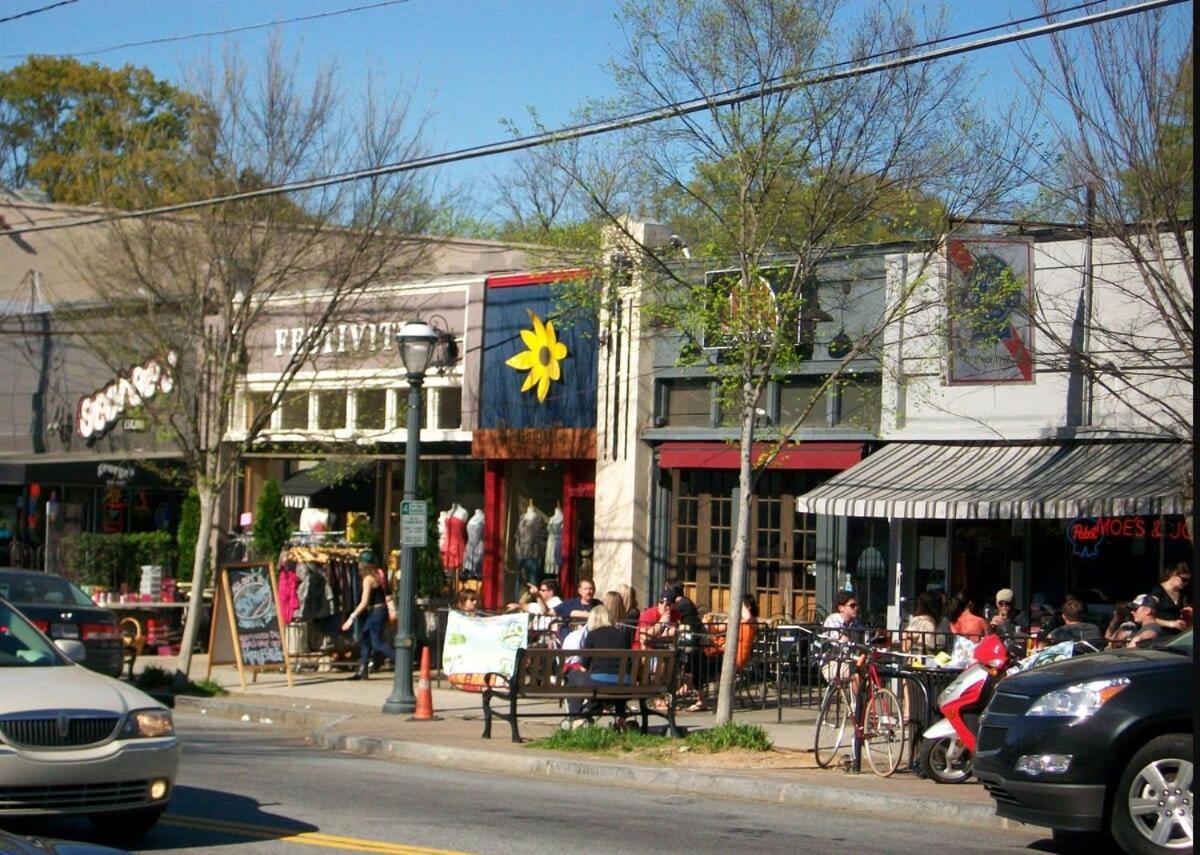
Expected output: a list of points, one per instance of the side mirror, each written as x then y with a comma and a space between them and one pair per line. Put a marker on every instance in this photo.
73, 650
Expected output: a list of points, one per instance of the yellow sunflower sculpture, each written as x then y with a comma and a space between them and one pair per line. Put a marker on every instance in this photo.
542, 358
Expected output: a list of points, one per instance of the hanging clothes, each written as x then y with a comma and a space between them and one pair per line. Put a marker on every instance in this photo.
473, 560
288, 583
456, 539
553, 539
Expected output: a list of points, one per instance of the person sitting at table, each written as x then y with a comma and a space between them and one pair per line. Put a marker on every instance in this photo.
920, 636
1074, 627
1121, 626
963, 620
747, 632
657, 624
600, 635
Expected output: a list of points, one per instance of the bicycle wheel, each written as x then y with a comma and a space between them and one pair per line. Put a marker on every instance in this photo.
835, 725
884, 732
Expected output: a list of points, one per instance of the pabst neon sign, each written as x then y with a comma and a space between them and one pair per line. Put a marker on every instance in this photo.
95, 414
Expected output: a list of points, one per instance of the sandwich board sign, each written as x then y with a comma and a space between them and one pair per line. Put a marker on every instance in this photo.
247, 628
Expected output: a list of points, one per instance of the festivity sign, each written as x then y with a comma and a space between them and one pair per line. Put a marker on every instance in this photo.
96, 413
366, 337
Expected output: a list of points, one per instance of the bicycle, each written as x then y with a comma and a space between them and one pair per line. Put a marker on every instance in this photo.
856, 684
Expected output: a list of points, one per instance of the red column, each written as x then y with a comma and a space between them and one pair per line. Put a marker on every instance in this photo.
493, 535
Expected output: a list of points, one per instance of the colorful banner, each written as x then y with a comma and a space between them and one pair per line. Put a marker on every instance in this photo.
539, 364
481, 645
990, 295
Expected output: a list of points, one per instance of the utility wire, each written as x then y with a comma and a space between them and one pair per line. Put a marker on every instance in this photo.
36, 11
208, 34
632, 120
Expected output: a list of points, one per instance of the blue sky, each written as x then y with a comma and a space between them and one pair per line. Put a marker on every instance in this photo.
471, 63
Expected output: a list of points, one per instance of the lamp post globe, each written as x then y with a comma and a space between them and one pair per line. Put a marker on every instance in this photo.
417, 342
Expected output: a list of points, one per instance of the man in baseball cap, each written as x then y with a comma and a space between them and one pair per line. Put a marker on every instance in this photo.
1005, 621
1145, 612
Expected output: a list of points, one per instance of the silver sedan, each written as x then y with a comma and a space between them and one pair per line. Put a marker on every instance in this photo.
74, 742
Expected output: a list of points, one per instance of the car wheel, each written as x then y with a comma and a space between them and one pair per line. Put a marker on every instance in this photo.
127, 825
1152, 807
935, 760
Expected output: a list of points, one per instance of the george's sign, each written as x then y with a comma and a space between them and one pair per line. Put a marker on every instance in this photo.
95, 414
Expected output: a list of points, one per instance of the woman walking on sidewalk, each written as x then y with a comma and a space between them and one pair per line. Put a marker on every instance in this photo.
373, 609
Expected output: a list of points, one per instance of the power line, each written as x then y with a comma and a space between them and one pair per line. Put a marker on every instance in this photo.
36, 11
208, 34
631, 120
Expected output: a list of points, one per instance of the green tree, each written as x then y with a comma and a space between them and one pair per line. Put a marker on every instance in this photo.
271, 524
186, 536
85, 133
794, 170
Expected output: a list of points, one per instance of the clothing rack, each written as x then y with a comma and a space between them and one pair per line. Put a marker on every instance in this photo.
317, 642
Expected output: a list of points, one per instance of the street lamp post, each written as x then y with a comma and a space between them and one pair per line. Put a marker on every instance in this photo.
417, 342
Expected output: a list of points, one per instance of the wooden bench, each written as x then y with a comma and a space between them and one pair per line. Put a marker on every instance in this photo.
642, 676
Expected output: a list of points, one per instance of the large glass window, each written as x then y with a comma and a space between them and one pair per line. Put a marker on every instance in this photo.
449, 408
794, 398
331, 410
402, 407
371, 409
860, 402
294, 413
688, 404
256, 403
782, 542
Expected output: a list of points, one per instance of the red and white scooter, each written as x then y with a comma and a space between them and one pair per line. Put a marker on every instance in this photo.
948, 745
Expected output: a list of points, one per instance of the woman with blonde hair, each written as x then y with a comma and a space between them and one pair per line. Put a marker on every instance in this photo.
615, 603
629, 596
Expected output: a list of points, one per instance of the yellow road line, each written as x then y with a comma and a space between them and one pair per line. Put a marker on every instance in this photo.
308, 838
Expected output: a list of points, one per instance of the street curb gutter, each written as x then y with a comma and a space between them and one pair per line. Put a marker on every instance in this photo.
745, 786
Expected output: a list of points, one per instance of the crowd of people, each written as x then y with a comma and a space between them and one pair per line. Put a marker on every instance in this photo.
938, 619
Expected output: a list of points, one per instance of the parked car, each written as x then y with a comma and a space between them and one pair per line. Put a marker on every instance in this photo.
74, 742
15, 844
1098, 743
60, 610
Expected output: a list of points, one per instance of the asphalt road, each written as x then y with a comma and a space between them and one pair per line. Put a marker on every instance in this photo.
257, 789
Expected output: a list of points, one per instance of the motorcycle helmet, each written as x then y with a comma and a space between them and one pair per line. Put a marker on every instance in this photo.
991, 652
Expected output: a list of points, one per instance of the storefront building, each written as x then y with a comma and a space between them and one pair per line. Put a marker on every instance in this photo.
63, 467
1004, 466
336, 442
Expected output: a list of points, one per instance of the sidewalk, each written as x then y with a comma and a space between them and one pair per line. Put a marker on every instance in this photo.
346, 715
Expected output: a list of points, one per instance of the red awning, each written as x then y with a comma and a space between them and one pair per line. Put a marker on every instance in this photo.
720, 455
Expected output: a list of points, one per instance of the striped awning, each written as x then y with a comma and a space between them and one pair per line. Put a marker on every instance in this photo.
1059, 480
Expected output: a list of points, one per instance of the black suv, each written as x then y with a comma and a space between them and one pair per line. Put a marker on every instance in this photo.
1101, 742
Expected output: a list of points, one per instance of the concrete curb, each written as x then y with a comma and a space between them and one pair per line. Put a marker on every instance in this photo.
738, 785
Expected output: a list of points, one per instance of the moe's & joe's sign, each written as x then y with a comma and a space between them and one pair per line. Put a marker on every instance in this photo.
1086, 534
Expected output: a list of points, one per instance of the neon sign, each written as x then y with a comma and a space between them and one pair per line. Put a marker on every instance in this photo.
1086, 534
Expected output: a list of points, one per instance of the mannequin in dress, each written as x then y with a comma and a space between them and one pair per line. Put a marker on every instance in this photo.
553, 540
473, 560
531, 543
456, 539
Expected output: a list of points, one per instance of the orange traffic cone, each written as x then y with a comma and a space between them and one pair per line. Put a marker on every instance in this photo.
424, 710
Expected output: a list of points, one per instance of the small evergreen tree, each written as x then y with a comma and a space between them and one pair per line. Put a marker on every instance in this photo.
271, 525
186, 536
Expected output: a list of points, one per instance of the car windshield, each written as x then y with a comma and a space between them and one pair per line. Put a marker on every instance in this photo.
21, 645
41, 590
1183, 641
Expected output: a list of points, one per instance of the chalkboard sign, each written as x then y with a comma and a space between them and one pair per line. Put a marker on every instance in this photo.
246, 624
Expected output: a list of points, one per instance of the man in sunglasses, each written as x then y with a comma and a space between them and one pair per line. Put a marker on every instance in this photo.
841, 625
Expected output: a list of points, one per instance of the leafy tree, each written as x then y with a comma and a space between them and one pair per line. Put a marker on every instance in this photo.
797, 170
1119, 162
201, 287
81, 131
186, 536
271, 524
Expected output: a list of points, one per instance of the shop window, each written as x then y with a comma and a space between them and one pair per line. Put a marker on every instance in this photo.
729, 409
794, 398
331, 410
402, 407
371, 409
449, 408
294, 412
689, 404
859, 403
256, 404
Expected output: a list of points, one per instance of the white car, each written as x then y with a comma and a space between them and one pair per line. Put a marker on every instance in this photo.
74, 742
